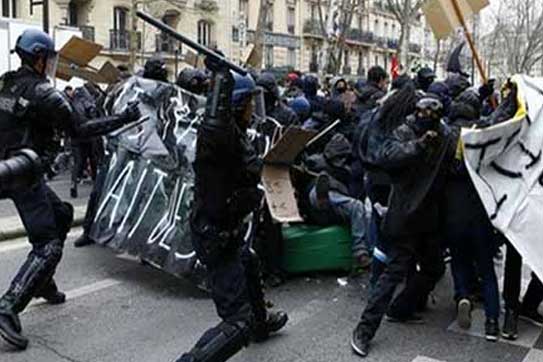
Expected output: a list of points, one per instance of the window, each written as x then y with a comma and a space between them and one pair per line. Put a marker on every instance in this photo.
393, 35
376, 60
360, 21
72, 14
119, 36
9, 8
314, 12
244, 11
291, 20
386, 30
269, 19
204, 33
376, 27
120, 18
291, 57
268, 55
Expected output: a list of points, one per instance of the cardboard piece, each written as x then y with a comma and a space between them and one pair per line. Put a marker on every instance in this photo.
74, 59
278, 187
442, 18
79, 51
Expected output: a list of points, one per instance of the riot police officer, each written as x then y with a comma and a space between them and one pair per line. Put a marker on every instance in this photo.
30, 111
227, 174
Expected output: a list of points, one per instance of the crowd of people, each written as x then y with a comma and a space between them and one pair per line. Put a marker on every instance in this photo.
387, 164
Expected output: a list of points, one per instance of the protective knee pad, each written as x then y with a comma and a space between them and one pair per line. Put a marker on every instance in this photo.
221, 342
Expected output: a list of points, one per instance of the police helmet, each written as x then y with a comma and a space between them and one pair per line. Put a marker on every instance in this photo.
33, 43
300, 105
244, 90
155, 68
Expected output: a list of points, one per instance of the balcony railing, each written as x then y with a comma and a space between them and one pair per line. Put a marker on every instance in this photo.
312, 26
382, 5
381, 42
392, 43
361, 36
120, 40
166, 44
87, 32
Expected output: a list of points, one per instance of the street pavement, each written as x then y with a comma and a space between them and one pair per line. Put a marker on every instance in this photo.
121, 311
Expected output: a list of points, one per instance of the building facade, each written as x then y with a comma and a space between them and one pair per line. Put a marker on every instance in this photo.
293, 35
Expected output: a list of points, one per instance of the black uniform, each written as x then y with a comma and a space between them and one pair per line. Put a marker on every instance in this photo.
227, 172
30, 111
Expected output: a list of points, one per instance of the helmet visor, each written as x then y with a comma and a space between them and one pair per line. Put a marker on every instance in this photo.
51, 64
259, 103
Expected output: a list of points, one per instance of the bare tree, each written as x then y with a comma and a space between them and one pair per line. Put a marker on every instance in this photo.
405, 12
518, 25
334, 27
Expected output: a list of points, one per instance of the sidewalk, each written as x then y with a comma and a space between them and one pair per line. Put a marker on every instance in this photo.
10, 223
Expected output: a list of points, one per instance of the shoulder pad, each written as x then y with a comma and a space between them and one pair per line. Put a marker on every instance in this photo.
44, 86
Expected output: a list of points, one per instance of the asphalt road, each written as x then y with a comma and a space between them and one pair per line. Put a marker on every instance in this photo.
121, 311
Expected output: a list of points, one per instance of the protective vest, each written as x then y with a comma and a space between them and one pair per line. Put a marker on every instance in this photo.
14, 125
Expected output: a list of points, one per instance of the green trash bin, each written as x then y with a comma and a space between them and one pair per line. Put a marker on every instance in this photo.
310, 248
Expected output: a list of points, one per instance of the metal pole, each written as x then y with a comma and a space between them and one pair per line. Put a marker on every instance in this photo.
471, 43
183, 39
46, 16
133, 36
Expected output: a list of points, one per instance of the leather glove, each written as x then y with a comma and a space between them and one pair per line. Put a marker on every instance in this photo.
486, 90
215, 65
131, 113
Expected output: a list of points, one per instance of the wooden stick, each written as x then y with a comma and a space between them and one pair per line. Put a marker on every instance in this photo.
471, 43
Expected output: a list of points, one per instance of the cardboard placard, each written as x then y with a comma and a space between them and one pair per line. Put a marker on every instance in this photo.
442, 17
280, 193
79, 51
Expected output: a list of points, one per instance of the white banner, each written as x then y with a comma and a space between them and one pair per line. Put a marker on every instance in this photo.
506, 164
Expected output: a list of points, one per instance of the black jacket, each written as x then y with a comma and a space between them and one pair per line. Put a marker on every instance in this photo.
334, 161
416, 171
463, 209
43, 110
368, 97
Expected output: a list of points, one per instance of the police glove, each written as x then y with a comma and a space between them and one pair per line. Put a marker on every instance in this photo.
131, 113
216, 65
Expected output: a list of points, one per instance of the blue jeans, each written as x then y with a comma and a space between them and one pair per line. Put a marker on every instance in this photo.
472, 252
348, 210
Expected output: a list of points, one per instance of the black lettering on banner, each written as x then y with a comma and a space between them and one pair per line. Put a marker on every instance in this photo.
504, 172
534, 159
511, 138
498, 207
482, 146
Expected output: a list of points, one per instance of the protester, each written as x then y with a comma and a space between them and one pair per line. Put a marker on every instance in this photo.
329, 196
275, 107
373, 90
413, 154
468, 230
425, 77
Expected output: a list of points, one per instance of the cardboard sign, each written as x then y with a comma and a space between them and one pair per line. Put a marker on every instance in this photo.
278, 187
442, 17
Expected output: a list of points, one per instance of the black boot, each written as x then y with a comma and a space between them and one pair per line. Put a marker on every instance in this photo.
10, 330
273, 323
51, 294
83, 240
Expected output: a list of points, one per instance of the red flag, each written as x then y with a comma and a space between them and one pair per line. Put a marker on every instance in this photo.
394, 67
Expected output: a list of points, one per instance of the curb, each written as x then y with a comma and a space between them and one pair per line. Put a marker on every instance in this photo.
14, 229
